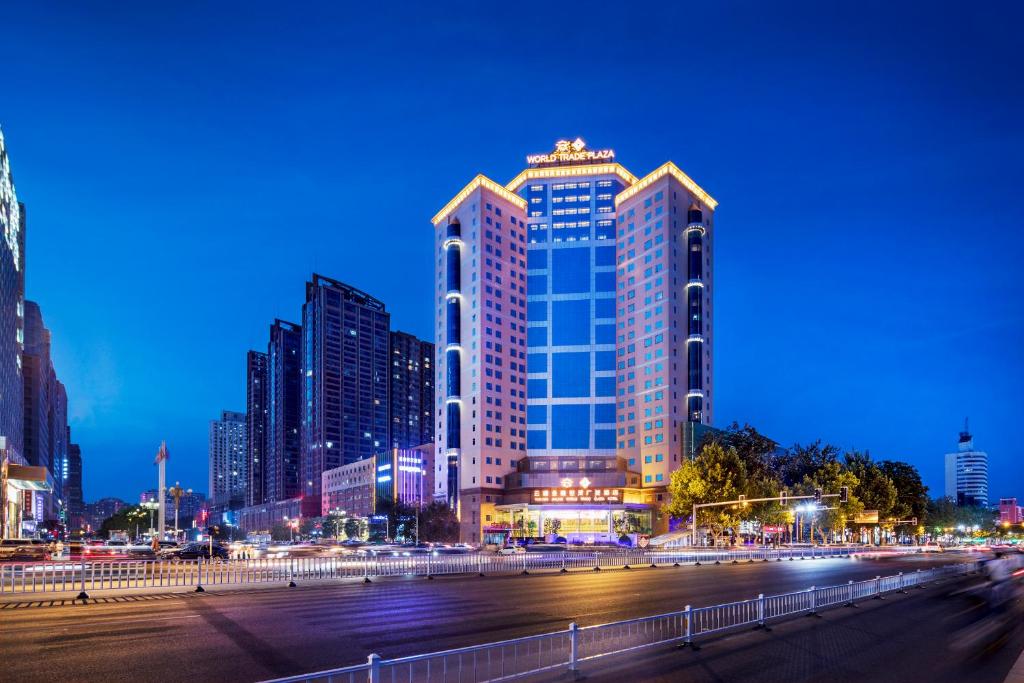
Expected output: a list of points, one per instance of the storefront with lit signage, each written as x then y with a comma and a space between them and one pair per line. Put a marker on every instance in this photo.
576, 511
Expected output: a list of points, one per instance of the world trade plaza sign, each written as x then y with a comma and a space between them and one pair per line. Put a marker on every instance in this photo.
571, 152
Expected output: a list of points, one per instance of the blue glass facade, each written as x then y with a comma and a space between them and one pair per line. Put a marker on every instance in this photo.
571, 314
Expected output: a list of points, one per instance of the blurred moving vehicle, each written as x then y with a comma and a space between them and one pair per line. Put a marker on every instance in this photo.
511, 550
931, 547
546, 548
194, 551
24, 550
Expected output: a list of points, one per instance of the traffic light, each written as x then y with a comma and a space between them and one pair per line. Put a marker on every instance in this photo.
844, 494
784, 496
743, 500
817, 495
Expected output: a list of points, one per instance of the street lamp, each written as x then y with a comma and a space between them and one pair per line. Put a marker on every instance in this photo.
177, 492
151, 505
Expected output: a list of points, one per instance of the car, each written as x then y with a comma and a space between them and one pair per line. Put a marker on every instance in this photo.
194, 551
24, 550
931, 547
546, 548
511, 550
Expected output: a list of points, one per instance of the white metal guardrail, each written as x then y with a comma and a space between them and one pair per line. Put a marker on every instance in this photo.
565, 650
91, 575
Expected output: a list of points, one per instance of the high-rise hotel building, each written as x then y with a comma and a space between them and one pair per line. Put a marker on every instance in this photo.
12, 310
573, 311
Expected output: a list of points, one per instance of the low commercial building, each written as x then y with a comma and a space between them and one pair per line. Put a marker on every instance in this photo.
359, 489
263, 518
1010, 512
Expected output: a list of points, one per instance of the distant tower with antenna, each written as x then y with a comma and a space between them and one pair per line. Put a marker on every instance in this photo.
967, 472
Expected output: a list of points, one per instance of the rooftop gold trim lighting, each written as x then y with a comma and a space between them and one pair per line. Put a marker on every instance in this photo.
480, 181
668, 168
571, 171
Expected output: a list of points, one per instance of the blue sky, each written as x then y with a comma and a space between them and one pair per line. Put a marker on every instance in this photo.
187, 166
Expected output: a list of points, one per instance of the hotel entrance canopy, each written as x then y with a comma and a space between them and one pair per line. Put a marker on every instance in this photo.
27, 478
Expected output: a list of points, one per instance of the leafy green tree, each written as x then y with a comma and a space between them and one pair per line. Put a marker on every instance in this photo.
717, 474
401, 520
438, 523
800, 462
354, 528
911, 493
830, 477
757, 451
127, 519
874, 488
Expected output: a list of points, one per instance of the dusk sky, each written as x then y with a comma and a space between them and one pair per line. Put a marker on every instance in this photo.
187, 166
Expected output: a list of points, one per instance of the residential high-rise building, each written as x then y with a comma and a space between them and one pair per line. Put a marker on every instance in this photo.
57, 419
75, 499
256, 426
411, 389
574, 308
103, 508
229, 475
45, 417
284, 411
346, 354
967, 473
12, 308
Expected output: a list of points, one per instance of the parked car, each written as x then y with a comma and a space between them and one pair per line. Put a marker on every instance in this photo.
24, 550
194, 551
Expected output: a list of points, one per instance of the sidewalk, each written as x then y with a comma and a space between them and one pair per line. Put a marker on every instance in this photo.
902, 639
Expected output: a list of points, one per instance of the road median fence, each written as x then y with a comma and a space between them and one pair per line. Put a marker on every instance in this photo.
83, 576
569, 651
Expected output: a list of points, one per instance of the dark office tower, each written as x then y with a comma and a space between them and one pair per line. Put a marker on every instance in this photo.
284, 411
256, 426
12, 308
57, 420
36, 373
346, 356
73, 486
411, 390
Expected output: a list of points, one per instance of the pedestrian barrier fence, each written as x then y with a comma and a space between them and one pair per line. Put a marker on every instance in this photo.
564, 651
91, 575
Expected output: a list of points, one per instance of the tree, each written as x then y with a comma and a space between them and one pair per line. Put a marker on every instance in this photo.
401, 520
911, 493
800, 462
757, 451
830, 478
438, 523
717, 474
127, 519
354, 528
874, 488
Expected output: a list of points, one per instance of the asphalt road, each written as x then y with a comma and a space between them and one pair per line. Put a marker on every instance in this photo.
236, 635
903, 639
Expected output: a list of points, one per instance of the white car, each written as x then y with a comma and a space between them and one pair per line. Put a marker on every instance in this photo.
931, 547
510, 550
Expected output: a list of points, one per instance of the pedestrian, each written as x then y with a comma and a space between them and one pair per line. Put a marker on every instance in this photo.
60, 548
155, 543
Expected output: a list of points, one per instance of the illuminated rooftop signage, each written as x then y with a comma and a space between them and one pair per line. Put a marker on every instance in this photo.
570, 152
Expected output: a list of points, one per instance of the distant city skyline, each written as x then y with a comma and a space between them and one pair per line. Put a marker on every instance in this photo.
867, 260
